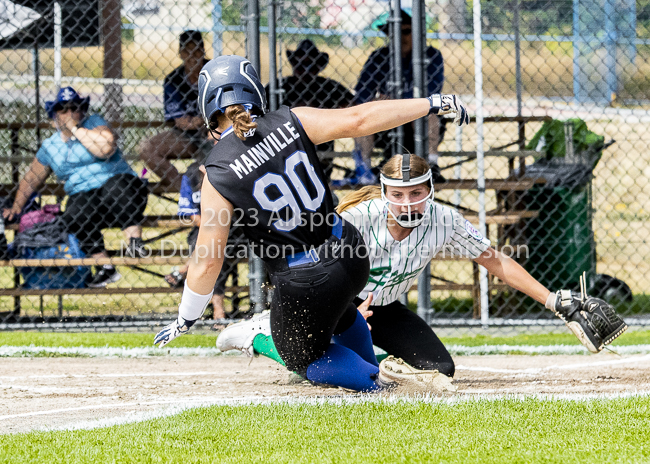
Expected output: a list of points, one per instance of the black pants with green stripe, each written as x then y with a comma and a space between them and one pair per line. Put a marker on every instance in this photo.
404, 334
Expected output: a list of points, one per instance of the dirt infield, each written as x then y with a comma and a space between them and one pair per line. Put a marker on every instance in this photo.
72, 392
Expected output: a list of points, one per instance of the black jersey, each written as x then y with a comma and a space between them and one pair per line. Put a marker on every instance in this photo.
275, 183
180, 95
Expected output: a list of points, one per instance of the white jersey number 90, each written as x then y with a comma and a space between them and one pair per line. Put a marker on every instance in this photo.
287, 198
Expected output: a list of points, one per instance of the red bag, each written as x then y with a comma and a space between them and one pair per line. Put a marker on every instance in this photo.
46, 214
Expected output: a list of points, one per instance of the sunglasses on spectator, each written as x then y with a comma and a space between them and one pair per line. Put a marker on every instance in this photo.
68, 107
406, 31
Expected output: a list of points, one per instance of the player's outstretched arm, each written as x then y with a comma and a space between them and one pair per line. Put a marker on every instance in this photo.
325, 125
205, 264
592, 320
511, 272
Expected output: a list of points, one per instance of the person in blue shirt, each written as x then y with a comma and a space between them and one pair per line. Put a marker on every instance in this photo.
188, 137
373, 85
104, 191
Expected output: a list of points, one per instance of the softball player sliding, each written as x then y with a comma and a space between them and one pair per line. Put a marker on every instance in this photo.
264, 171
403, 229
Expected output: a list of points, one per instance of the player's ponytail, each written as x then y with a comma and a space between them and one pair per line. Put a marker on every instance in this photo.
369, 192
241, 120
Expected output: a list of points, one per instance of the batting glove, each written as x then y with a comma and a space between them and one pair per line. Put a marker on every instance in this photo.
445, 104
177, 328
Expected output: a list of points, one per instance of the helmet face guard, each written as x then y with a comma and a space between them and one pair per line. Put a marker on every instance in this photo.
409, 219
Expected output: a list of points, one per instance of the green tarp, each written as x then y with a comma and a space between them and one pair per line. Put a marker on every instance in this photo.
585, 142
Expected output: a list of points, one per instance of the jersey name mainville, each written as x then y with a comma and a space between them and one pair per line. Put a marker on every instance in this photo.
259, 153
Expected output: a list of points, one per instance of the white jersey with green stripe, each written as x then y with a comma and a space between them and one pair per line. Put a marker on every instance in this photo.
396, 265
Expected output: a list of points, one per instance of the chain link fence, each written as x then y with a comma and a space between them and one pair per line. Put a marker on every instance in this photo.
564, 102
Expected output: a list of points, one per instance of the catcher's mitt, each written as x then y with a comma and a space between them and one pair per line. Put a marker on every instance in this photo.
592, 320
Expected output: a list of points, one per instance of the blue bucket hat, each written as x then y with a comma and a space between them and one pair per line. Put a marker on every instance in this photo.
66, 96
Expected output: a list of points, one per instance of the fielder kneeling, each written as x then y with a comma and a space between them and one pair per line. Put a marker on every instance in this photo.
404, 229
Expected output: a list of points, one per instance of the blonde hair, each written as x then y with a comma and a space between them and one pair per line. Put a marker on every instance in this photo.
369, 192
393, 169
241, 120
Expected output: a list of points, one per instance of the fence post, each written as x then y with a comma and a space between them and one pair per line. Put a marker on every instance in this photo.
478, 88
577, 94
273, 69
256, 272
517, 57
419, 82
420, 91
611, 39
217, 29
112, 33
253, 34
395, 31
57, 45
37, 91
15, 179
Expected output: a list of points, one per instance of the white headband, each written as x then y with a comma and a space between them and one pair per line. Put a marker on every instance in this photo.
400, 183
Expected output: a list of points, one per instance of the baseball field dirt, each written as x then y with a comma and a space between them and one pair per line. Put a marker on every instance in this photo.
63, 393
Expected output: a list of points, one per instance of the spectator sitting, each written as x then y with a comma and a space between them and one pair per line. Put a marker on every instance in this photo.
373, 84
306, 88
188, 138
104, 191
189, 205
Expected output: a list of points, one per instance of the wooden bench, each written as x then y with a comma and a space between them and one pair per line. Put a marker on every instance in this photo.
169, 225
57, 190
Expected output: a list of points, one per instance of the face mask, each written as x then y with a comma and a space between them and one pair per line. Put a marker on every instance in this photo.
409, 219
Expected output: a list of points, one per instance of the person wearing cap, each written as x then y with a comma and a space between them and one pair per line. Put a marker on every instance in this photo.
306, 88
373, 85
188, 137
104, 191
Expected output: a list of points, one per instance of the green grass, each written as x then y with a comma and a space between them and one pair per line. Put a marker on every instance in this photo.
112, 340
502, 431
136, 340
629, 338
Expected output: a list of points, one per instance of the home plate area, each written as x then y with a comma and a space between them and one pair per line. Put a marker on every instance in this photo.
71, 393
